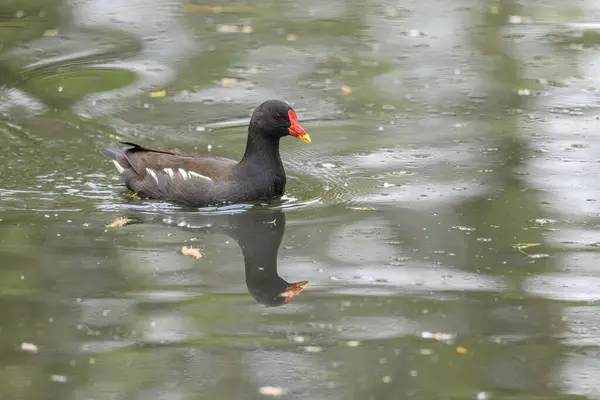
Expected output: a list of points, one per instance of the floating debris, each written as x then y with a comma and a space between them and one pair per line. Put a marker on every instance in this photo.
158, 94
119, 222
224, 28
291, 37
363, 208
521, 246
313, 349
188, 251
328, 165
483, 396
439, 336
461, 350
524, 92
247, 29
58, 378
50, 33
205, 8
346, 90
274, 391
353, 343
29, 347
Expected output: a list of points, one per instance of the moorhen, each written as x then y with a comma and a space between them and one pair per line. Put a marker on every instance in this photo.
208, 181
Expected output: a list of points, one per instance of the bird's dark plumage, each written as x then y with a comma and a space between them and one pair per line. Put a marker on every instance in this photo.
203, 181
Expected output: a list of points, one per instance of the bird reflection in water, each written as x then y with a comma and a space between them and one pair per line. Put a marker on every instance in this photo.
259, 233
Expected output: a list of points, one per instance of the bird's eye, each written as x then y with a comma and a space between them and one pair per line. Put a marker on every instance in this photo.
277, 116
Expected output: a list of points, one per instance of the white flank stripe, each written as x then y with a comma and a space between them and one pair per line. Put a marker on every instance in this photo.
199, 175
119, 168
151, 172
170, 172
184, 173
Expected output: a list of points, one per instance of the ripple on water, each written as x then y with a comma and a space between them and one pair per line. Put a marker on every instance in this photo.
567, 287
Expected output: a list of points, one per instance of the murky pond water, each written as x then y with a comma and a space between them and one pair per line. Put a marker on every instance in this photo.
445, 216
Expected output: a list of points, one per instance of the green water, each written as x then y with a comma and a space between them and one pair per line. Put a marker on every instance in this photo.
445, 215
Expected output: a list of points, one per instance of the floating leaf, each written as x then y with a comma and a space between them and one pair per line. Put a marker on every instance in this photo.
158, 94
461, 350
346, 90
118, 222
188, 251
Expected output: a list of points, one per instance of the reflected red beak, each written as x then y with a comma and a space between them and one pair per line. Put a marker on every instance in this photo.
293, 289
296, 129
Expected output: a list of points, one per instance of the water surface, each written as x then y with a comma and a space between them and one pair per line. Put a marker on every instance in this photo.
445, 216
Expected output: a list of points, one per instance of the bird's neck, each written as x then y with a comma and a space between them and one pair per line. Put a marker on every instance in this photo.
264, 152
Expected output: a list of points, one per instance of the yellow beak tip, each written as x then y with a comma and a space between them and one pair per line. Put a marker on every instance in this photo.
305, 138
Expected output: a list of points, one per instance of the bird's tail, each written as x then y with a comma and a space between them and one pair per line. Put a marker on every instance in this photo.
111, 153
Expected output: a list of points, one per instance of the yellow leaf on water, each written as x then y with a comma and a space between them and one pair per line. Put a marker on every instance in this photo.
346, 90
188, 251
158, 94
461, 350
118, 222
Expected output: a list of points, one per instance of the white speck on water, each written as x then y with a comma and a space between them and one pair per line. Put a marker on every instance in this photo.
313, 349
380, 128
414, 33
200, 129
29, 347
224, 28
209, 147
153, 324
328, 165
298, 339
386, 379
20, 14
515, 19
413, 373
353, 343
59, 378
274, 391
60, 88
483, 396
387, 184
22, 277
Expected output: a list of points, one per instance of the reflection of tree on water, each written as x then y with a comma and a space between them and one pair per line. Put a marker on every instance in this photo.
259, 234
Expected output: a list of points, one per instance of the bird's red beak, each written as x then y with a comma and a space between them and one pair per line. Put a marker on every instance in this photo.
293, 289
296, 129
